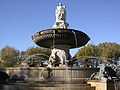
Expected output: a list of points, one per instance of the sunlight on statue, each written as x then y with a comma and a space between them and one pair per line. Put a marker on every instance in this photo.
60, 14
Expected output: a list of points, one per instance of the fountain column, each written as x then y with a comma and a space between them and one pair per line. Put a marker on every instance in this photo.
60, 53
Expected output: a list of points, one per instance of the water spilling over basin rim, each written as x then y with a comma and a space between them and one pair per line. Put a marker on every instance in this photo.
69, 37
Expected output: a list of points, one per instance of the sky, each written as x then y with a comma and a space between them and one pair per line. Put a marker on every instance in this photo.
20, 19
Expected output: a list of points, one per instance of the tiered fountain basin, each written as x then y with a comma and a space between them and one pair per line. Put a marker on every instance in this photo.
65, 37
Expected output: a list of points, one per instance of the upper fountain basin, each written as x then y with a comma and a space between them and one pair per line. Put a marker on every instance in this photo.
68, 37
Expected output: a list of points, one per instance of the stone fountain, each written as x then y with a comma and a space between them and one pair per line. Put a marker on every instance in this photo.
58, 74
61, 39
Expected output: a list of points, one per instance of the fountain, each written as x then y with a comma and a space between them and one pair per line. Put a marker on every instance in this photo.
59, 74
60, 39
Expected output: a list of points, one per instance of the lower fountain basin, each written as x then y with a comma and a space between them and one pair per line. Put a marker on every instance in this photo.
68, 37
56, 74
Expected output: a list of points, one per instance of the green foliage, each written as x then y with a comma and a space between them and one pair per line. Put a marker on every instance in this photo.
110, 50
89, 50
11, 57
37, 50
8, 52
106, 50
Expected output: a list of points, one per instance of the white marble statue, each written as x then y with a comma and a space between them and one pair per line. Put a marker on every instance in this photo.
60, 14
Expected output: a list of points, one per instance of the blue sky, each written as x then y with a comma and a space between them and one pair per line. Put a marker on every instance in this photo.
19, 19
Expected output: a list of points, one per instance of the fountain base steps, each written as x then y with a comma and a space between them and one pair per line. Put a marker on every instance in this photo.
43, 78
46, 86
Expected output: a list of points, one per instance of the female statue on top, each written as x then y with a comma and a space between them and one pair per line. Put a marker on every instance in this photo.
60, 14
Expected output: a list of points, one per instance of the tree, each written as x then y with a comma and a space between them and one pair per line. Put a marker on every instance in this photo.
110, 50
8, 52
37, 50
105, 50
89, 50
